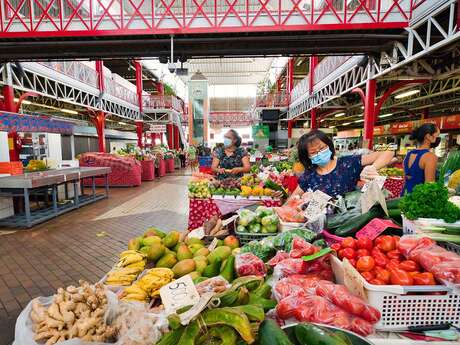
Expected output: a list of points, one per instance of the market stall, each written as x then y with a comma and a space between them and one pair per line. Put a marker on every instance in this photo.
46, 184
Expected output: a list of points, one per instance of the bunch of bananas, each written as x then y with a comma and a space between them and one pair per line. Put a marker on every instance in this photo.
149, 285
122, 276
131, 259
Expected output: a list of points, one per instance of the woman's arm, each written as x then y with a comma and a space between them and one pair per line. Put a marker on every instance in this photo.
297, 192
215, 165
245, 168
430, 167
377, 159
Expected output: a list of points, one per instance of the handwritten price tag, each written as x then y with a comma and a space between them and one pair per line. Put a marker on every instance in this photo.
213, 244
316, 205
372, 195
179, 293
375, 227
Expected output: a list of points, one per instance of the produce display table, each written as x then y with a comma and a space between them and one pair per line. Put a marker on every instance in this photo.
46, 183
148, 170
169, 165
161, 168
201, 210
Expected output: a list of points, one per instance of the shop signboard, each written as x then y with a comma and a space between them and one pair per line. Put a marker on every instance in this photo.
436, 120
260, 132
10, 122
451, 122
401, 127
157, 128
351, 133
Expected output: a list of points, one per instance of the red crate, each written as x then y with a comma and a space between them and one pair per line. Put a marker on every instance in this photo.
12, 168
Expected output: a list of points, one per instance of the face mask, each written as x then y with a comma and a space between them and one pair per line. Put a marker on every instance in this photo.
322, 158
436, 143
227, 142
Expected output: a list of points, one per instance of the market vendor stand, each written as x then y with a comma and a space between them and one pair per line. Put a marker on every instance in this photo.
44, 183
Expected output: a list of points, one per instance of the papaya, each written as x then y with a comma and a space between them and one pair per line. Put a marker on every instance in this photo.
212, 269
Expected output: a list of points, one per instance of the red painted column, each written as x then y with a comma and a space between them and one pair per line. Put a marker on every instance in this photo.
176, 137
369, 113
161, 135
290, 75
290, 123
8, 99
278, 84
139, 132
99, 122
160, 88
139, 84
100, 75
8, 105
170, 135
311, 85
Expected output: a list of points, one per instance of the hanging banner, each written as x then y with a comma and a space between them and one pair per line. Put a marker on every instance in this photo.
451, 122
10, 122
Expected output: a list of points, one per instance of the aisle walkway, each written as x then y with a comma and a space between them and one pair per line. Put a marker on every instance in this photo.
82, 244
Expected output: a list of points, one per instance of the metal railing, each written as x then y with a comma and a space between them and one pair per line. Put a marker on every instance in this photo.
272, 100
159, 102
31, 18
73, 69
117, 90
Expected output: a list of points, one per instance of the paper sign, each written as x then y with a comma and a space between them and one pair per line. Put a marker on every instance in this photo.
213, 244
316, 205
197, 233
375, 227
190, 314
179, 293
380, 182
371, 196
353, 280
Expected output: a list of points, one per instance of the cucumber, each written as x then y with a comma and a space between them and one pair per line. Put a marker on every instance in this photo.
270, 333
308, 334
337, 220
356, 223
395, 214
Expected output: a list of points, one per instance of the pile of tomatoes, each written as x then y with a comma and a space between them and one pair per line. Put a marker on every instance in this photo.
381, 263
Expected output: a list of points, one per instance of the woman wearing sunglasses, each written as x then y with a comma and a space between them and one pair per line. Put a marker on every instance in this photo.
334, 176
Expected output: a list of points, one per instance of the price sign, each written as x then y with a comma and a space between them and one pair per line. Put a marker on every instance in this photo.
353, 280
197, 233
213, 244
375, 227
316, 205
380, 182
372, 195
179, 293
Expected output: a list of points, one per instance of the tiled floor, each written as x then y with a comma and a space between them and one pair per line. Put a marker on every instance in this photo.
82, 244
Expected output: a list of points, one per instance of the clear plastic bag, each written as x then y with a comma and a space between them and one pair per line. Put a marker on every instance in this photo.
216, 284
300, 248
247, 264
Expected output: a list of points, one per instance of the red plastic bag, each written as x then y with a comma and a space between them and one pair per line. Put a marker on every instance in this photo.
247, 264
300, 248
280, 256
340, 296
289, 267
294, 284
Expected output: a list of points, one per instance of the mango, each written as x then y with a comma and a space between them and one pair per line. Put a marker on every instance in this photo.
231, 241
144, 250
200, 265
212, 269
221, 253
193, 240
176, 247
169, 251
134, 244
147, 241
167, 261
183, 267
171, 239
183, 252
201, 252
154, 232
195, 247
220, 243
155, 251
201, 258
195, 275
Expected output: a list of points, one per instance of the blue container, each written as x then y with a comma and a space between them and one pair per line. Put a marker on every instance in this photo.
205, 161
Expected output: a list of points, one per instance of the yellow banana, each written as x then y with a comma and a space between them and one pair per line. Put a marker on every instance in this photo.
134, 289
134, 297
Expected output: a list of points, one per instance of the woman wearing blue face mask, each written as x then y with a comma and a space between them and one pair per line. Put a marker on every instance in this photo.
334, 176
232, 160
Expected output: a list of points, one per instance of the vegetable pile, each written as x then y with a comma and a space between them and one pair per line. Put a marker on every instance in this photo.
263, 220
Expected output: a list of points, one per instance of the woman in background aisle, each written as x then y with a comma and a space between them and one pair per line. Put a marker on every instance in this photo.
191, 156
232, 160
420, 164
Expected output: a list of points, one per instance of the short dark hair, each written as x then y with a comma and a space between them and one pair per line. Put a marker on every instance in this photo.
420, 132
308, 138
236, 136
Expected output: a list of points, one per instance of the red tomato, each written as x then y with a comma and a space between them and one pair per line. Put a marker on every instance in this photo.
362, 252
400, 277
408, 266
368, 275
352, 262
349, 242
394, 254
396, 241
382, 274
392, 264
377, 241
425, 278
349, 253
364, 243
387, 243
365, 264
340, 253
336, 246
376, 281
380, 258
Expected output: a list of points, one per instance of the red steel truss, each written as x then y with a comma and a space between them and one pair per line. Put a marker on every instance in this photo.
89, 18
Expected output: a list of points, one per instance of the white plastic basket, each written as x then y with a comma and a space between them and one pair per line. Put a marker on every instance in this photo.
399, 306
